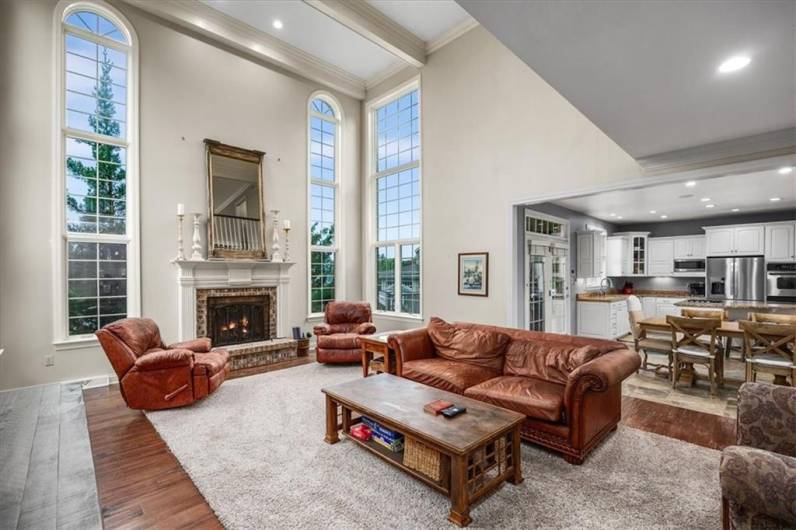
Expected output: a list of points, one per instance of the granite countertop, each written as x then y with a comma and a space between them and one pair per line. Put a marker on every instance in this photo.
738, 304
619, 297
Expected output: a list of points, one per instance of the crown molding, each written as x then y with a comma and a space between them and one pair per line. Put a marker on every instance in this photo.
366, 20
386, 74
450, 35
225, 29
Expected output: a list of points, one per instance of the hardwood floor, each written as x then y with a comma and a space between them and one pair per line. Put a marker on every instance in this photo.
141, 483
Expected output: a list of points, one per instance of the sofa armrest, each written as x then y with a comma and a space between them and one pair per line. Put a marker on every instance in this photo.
201, 345
411, 345
322, 329
600, 373
761, 482
766, 416
366, 328
164, 359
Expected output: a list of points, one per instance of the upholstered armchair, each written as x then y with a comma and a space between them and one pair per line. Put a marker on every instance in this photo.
337, 336
155, 376
758, 476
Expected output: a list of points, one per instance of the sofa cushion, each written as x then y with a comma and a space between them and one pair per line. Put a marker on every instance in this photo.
546, 360
467, 343
210, 363
339, 341
532, 397
445, 374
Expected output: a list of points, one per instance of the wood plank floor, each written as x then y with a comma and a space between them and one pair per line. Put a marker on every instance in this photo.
141, 483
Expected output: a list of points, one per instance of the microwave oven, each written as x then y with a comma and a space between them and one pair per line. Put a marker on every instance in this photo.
689, 265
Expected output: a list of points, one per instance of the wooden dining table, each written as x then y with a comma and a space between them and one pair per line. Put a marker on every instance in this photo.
729, 329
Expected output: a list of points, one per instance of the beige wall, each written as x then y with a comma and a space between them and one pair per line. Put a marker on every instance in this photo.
189, 90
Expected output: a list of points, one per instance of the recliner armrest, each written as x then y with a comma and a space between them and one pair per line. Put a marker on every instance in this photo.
322, 329
201, 345
164, 359
366, 328
411, 345
600, 373
760, 481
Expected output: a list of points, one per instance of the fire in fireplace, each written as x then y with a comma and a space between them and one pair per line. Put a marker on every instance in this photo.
238, 319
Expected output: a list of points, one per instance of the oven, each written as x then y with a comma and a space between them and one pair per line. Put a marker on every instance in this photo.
781, 282
690, 265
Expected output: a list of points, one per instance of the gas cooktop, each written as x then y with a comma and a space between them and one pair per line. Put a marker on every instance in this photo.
704, 302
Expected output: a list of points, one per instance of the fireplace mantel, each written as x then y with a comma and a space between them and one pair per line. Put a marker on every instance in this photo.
220, 274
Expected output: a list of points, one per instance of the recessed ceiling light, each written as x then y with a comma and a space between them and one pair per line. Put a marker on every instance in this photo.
704, 199
619, 217
785, 170
652, 211
733, 64
664, 216
710, 206
735, 210
277, 23
612, 215
690, 184
775, 199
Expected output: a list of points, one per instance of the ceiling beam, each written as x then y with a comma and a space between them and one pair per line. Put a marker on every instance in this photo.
362, 18
217, 26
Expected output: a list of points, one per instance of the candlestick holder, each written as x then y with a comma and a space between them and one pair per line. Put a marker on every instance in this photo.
197, 239
287, 245
275, 255
180, 248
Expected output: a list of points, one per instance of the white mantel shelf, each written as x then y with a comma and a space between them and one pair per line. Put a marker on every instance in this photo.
220, 274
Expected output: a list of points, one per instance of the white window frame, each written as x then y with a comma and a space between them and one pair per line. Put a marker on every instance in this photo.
371, 201
339, 287
61, 338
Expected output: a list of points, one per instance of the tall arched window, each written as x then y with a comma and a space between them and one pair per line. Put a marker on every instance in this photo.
96, 156
324, 233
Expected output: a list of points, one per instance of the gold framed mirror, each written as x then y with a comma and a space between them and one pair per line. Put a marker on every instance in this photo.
236, 213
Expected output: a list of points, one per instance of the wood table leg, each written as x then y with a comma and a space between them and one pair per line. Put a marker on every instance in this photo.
331, 421
460, 501
516, 457
366, 358
346, 420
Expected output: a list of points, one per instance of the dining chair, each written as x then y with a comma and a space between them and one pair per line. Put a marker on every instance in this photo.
725, 343
644, 340
772, 318
690, 348
770, 348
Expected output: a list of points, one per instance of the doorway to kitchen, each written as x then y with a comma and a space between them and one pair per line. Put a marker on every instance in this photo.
546, 265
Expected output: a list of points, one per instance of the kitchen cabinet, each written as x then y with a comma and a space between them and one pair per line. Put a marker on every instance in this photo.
615, 251
661, 256
689, 247
735, 240
780, 242
648, 305
665, 306
627, 254
591, 254
603, 319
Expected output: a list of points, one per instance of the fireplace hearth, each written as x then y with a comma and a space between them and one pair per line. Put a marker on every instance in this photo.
238, 319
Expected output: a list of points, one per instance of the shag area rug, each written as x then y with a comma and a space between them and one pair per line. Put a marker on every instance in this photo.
255, 450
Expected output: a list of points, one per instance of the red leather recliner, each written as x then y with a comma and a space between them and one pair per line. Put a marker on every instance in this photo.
155, 376
337, 338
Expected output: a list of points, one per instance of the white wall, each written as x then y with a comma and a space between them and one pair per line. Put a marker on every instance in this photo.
190, 90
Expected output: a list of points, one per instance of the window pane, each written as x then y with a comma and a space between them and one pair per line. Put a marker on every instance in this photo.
398, 205
410, 279
96, 175
397, 132
322, 208
322, 280
385, 278
94, 300
322, 148
96, 24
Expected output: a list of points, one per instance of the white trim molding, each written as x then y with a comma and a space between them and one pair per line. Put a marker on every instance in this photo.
450, 35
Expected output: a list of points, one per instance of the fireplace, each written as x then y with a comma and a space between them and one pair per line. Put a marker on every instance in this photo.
237, 319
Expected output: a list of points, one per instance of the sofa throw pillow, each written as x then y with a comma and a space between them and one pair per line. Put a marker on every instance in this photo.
546, 360
469, 344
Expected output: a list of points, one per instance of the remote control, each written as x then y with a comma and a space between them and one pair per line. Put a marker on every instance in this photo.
455, 410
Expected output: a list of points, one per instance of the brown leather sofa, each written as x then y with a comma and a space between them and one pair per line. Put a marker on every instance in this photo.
569, 388
155, 376
337, 337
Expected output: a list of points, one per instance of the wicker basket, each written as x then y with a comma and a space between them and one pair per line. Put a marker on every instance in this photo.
422, 459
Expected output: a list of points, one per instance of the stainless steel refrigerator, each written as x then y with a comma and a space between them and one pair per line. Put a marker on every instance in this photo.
742, 278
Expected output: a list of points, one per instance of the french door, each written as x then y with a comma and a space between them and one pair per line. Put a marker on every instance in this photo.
546, 288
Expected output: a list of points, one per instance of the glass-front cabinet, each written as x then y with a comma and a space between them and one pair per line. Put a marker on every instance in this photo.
629, 253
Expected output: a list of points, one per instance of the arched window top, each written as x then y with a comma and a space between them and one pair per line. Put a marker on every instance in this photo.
96, 24
322, 107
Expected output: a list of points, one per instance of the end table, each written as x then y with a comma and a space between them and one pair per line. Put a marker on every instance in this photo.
375, 347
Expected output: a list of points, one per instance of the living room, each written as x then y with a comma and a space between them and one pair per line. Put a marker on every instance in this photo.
249, 202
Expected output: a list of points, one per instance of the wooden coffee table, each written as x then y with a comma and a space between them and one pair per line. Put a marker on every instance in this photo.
479, 449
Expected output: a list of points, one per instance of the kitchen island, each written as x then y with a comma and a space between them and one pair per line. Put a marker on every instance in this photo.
739, 309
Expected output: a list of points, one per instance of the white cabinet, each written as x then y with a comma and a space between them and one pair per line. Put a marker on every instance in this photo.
615, 251
689, 247
603, 319
627, 254
648, 306
591, 254
661, 256
665, 306
735, 240
781, 242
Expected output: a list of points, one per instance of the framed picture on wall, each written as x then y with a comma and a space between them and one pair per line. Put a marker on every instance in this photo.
474, 273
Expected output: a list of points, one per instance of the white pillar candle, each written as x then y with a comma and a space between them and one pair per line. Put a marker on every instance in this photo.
286, 224
180, 209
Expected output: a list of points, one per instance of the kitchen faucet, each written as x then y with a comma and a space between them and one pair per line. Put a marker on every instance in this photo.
609, 281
